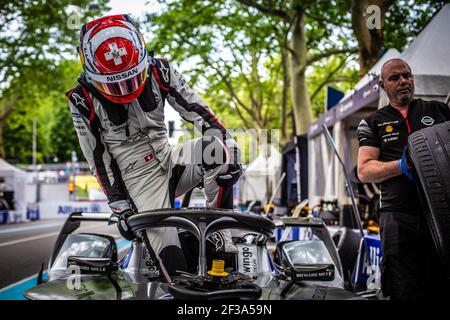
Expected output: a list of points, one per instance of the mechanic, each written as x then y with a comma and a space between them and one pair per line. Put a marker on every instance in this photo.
118, 113
410, 267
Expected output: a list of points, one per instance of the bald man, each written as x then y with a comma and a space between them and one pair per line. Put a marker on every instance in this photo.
410, 268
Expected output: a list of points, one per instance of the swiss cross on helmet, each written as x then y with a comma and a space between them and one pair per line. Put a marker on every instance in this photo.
114, 57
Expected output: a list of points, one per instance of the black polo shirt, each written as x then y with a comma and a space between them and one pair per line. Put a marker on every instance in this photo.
388, 130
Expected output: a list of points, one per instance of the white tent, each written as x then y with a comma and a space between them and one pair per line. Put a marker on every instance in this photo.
429, 57
15, 180
260, 176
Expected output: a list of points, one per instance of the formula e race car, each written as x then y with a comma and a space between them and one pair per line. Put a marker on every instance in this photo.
86, 266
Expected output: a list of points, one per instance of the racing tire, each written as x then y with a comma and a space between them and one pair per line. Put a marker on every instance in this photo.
429, 151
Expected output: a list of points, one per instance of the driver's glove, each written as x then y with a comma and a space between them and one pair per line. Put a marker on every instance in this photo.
235, 169
122, 224
122, 210
404, 166
230, 178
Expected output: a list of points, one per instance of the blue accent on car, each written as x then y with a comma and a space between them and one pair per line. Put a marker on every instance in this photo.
15, 292
126, 259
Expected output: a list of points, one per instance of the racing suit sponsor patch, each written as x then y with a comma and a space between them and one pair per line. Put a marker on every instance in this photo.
156, 94
78, 99
130, 167
164, 71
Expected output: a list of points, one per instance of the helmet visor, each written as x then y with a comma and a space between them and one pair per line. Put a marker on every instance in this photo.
120, 84
121, 87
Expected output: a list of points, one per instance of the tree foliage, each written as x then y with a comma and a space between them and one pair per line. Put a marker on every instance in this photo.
233, 48
258, 63
234, 56
44, 100
35, 36
239, 52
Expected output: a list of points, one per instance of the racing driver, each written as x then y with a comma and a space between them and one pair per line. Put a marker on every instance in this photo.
118, 113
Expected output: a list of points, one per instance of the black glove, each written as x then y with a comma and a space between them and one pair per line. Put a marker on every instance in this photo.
122, 224
230, 178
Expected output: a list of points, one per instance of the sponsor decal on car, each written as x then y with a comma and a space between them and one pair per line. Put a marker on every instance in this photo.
151, 269
248, 259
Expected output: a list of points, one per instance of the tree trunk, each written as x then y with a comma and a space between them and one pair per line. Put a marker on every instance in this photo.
284, 114
370, 38
300, 98
5, 110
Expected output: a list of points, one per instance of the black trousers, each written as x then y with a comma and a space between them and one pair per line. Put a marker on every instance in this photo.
410, 267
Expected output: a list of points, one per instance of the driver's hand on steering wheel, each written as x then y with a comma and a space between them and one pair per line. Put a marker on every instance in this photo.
122, 224
231, 177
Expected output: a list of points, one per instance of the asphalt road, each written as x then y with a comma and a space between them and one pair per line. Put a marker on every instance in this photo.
24, 247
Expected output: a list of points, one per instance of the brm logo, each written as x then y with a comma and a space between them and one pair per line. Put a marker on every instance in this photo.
122, 76
427, 120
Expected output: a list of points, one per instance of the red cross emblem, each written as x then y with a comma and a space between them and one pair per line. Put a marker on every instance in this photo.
115, 53
148, 157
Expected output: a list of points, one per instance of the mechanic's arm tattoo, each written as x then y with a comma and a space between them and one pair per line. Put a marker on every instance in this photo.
371, 170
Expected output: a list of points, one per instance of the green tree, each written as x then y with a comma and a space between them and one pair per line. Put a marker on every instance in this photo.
379, 24
316, 30
240, 43
34, 35
312, 30
44, 100
62, 132
239, 71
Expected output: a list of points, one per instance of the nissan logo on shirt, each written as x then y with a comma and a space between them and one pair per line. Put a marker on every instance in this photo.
427, 120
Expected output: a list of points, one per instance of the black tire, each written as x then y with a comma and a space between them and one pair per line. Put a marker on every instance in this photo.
429, 151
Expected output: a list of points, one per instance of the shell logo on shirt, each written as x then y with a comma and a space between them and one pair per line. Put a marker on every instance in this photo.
389, 128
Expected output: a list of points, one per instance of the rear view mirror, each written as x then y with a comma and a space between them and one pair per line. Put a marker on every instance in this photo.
305, 260
85, 245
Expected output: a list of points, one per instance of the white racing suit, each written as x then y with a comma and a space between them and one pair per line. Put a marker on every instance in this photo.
127, 149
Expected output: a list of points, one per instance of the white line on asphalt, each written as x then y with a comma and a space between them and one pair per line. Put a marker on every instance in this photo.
42, 236
27, 228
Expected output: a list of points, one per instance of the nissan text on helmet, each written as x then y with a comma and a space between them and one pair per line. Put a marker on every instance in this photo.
114, 57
